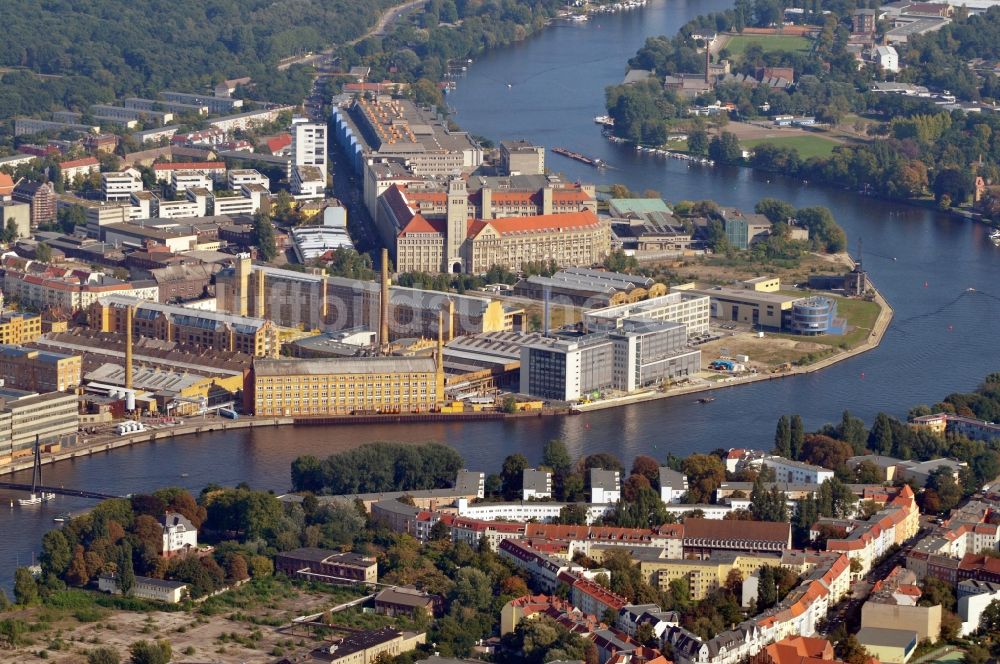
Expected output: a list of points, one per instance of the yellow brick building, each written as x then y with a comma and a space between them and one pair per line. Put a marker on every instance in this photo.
369, 385
19, 328
38, 370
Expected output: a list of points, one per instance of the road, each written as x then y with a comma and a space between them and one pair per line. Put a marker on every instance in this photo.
388, 17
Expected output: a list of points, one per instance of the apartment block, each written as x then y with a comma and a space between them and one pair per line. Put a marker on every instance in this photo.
39, 371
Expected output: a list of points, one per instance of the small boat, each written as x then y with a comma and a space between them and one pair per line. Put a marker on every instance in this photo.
706, 399
36, 499
61, 518
995, 236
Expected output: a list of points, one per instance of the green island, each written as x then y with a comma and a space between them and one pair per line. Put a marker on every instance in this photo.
806, 93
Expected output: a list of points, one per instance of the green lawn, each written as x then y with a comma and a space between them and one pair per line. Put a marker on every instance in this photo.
738, 44
860, 314
807, 146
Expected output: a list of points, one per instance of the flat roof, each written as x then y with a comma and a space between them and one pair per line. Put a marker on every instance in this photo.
890, 638
325, 366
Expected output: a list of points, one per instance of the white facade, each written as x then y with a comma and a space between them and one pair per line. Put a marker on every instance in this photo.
119, 186
690, 309
309, 145
181, 210
181, 181
886, 58
525, 511
234, 205
179, 534
157, 590
536, 484
308, 182
605, 486
673, 485
239, 177
797, 472
971, 607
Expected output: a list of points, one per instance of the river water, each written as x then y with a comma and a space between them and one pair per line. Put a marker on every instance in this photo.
940, 341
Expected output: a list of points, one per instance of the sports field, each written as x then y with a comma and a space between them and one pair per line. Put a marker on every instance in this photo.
807, 146
738, 44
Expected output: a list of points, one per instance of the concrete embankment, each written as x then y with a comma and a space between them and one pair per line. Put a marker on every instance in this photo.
874, 339
105, 444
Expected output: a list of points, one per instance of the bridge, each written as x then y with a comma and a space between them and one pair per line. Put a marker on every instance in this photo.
62, 491
36, 486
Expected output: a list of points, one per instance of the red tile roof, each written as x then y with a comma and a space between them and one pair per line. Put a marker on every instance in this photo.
76, 163
6, 185
539, 224
279, 142
191, 166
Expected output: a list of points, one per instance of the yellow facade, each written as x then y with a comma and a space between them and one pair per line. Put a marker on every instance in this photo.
703, 576
356, 386
18, 328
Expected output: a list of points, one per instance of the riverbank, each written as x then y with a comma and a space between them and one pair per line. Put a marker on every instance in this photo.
873, 340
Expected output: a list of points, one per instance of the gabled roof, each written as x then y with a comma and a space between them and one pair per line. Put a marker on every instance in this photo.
418, 224
6, 184
77, 163
538, 224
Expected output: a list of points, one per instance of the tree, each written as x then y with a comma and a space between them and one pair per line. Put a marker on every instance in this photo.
783, 438
43, 253
776, 211
77, 573
604, 461
976, 653
263, 233
850, 650
25, 587
150, 652
705, 472
512, 475
697, 142
56, 553
767, 504
236, 567
573, 514
953, 185
726, 149
556, 456
10, 232
103, 655
880, 436
942, 481
126, 573
825, 451
797, 435
648, 467
989, 621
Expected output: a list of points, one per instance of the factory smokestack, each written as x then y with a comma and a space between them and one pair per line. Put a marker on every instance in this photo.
440, 344
383, 327
129, 312
708, 61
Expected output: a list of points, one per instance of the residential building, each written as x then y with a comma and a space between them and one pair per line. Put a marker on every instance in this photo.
39, 371
248, 119
24, 126
863, 21
19, 213
973, 598
890, 646
893, 601
406, 601
69, 291
327, 566
521, 158
326, 387
309, 145
119, 186
886, 58
41, 196
795, 650
535, 484
594, 599
140, 104
673, 485
216, 170
204, 329
705, 536
869, 540
605, 486
180, 537
366, 647
144, 587
796, 472
70, 169
214, 104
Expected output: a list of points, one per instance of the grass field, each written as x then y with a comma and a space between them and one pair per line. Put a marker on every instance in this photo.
738, 44
860, 314
807, 146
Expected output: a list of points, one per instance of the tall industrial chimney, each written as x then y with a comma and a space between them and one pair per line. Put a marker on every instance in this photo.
383, 318
708, 62
129, 312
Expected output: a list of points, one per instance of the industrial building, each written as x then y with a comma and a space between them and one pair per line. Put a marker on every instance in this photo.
17, 327
320, 302
585, 287
521, 158
38, 371
53, 418
324, 387
203, 329
760, 303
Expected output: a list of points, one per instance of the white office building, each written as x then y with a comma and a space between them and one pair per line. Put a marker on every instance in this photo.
119, 186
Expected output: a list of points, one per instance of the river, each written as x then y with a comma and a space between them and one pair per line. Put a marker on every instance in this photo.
939, 342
